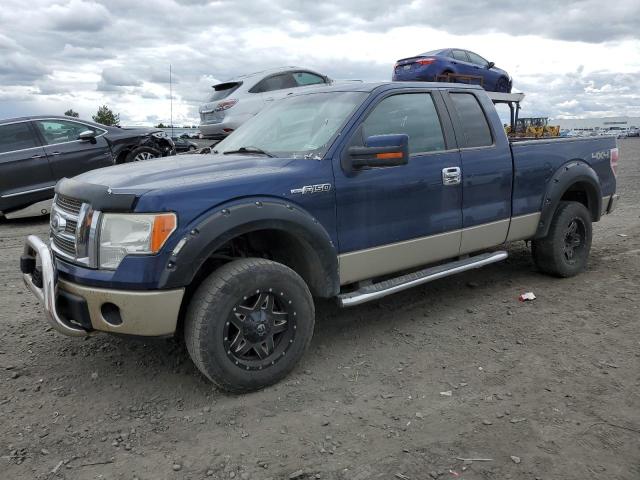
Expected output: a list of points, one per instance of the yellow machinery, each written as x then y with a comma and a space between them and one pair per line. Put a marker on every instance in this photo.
526, 127
535, 127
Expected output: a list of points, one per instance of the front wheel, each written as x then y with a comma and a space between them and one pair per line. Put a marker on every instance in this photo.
141, 154
565, 250
249, 323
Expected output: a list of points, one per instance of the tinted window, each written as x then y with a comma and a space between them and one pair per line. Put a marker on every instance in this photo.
59, 131
411, 113
306, 78
16, 136
477, 59
223, 90
277, 82
474, 123
460, 55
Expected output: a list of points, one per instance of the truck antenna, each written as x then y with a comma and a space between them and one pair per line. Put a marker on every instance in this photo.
171, 98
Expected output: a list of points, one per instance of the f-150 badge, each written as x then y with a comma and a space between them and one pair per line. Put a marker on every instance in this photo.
321, 187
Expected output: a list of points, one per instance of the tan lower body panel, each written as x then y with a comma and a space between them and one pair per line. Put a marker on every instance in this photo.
151, 313
377, 261
523, 227
394, 257
483, 236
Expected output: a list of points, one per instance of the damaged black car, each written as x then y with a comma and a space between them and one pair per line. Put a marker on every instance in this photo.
36, 152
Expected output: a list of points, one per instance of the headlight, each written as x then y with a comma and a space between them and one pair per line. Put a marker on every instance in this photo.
123, 234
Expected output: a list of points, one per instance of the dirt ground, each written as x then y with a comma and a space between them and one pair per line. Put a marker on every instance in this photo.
402, 388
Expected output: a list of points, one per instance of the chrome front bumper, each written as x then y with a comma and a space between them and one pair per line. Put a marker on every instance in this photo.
140, 313
43, 260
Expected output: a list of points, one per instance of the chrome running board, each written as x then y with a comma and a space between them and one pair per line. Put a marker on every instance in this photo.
378, 290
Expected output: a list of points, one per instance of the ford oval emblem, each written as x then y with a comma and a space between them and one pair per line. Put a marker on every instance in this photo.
58, 223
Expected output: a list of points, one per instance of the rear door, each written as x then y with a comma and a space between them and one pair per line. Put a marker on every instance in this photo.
487, 171
276, 86
69, 156
25, 175
395, 218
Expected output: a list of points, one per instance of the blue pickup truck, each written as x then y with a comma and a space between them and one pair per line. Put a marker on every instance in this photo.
350, 192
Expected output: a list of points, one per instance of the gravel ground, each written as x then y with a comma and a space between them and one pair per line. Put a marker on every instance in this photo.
405, 388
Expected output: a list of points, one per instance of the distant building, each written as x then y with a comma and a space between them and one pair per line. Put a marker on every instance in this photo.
604, 123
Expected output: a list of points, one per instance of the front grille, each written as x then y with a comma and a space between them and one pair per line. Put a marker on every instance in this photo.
69, 205
65, 220
73, 230
71, 227
65, 245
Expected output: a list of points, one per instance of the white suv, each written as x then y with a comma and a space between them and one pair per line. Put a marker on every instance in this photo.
236, 101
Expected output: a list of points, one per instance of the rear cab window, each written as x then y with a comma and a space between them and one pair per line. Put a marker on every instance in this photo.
413, 114
473, 121
17, 136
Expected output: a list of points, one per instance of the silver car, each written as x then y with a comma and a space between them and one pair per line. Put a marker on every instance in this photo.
236, 101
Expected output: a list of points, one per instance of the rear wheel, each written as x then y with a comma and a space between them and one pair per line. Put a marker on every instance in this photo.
564, 252
249, 323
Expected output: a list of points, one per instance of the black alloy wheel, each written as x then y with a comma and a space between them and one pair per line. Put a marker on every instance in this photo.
260, 329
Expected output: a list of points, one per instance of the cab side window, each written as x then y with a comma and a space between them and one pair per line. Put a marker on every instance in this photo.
16, 136
413, 114
60, 131
472, 119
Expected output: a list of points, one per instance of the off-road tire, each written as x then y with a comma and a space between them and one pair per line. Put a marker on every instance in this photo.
213, 307
550, 254
136, 154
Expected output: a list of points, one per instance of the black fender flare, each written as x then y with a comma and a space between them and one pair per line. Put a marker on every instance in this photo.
568, 175
232, 219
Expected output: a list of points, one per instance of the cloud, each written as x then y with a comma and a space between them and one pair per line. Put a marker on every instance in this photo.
118, 51
78, 15
114, 78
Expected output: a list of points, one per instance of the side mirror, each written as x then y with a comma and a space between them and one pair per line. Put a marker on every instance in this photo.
490, 65
87, 136
381, 151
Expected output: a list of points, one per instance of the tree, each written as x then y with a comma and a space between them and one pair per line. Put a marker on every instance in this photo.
160, 125
71, 113
105, 116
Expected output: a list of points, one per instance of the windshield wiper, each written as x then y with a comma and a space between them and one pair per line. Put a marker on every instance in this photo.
249, 150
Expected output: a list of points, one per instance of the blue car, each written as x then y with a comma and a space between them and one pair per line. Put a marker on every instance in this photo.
437, 65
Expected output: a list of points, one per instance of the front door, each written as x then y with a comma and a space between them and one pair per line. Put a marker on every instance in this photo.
402, 217
69, 156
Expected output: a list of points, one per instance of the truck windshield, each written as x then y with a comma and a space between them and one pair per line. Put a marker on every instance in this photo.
297, 127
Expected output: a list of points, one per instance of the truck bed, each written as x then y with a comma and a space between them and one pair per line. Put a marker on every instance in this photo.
530, 181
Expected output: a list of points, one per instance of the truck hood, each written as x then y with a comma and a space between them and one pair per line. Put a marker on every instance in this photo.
182, 170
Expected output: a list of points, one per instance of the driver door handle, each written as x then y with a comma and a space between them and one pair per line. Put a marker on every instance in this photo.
451, 176
55, 153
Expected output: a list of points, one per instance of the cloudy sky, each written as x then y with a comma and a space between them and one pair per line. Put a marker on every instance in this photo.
571, 58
